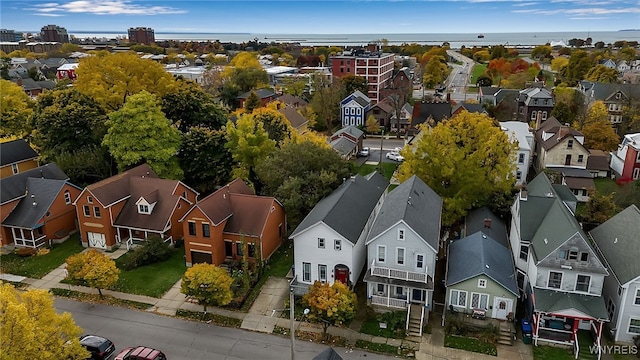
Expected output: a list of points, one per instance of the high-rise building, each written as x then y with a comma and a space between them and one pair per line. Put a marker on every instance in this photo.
10, 35
54, 33
375, 66
142, 35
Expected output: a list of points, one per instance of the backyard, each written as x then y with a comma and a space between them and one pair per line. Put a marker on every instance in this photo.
387, 169
38, 266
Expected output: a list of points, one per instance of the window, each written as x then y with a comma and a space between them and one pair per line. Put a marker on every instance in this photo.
518, 175
569, 144
611, 308
458, 298
67, 197
96, 211
419, 261
637, 299
634, 326
573, 254
192, 228
322, 273
143, 209
89, 199
306, 272
562, 254
252, 250
584, 256
320, 243
337, 245
380, 289
580, 158
400, 256
401, 234
524, 252
239, 249
14, 168
479, 301
482, 283
521, 158
555, 280
206, 232
382, 253
533, 115
619, 291
636, 173
583, 282
399, 290
544, 113
87, 211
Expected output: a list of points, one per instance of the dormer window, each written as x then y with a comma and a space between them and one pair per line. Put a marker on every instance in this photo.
144, 209
145, 206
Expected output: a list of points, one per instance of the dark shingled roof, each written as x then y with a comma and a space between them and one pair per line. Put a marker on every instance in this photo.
116, 187
347, 209
328, 354
550, 301
217, 206
25, 214
423, 111
16, 151
14, 187
471, 107
598, 160
343, 145
559, 131
478, 254
249, 214
476, 221
262, 93
295, 118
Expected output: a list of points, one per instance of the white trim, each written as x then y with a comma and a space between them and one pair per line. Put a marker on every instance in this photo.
337, 244
402, 235
404, 256
320, 273
480, 295
636, 297
575, 287
324, 243
303, 271
549, 279
457, 304
629, 326
480, 281
383, 261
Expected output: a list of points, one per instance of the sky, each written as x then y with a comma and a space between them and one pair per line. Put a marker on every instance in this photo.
323, 16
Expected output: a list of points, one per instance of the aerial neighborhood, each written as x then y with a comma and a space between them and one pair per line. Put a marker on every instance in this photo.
488, 194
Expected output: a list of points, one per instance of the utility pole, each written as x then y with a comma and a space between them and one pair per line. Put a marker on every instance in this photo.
291, 317
381, 141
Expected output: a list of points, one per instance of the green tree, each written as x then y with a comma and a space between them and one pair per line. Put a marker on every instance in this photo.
569, 105
208, 284
188, 105
139, 132
352, 83
85, 165
326, 102
94, 269
466, 160
111, 78
435, 72
541, 52
630, 118
32, 329
294, 86
579, 64
602, 74
206, 161
299, 174
248, 142
15, 109
253, 102
597, 112
274, 123
331, 304
372, 125
597, 210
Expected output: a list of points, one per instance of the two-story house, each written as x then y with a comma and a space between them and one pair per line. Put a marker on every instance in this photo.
534, 102
329, 244
232, 222
129, 207
353, 109
614, 96
625, 162
558, 145
402, 247
559, 272
16, 156
520, 134
617, 243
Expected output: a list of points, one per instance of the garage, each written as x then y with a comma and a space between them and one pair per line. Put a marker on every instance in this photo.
96, 240
198, 257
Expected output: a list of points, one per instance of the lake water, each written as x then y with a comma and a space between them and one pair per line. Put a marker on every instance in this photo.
455, 40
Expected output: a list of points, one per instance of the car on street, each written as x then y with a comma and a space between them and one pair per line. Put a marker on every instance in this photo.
393, 155
364, 152
140, 353
100, 347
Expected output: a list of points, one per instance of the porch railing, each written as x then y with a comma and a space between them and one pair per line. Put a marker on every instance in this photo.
131, 241
398, 274
389, 302
32, 243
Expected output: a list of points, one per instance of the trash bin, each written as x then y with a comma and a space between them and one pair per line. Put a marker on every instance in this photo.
527, 331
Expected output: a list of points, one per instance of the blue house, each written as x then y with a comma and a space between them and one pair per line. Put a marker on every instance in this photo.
353, 109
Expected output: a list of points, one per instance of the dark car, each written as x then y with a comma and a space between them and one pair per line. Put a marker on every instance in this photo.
140, 353
99, 347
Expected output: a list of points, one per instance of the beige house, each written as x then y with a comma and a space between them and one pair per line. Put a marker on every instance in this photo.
559, 145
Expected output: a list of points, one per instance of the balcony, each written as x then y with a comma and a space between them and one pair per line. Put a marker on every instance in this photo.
389, 302
399, 274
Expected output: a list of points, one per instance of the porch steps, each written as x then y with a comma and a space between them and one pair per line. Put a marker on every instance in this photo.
415, 321
505, 334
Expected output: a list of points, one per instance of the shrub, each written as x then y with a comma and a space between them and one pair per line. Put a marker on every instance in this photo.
153, 250
26, 252
455, 326
396, 320
489, 334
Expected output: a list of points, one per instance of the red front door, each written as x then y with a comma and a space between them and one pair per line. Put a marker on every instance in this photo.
342, 274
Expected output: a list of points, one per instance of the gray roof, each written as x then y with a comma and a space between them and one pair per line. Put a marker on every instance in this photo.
564, 193
25, 214
471, 107
328, 354
489, 90
347, 209
535, 96
295, 118
351, 130
618, 242
602, 91
550, 301
501, 94
479, 254
343, 145
13, 187
573, 172
423, 111
476, 221
15, 151
262, 93
417, 205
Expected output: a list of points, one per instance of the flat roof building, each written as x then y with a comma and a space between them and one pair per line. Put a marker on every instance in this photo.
142, 35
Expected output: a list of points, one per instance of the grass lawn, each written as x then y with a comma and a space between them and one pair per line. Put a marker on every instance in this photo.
544, 352
372, 327
473, 345
387, 169
151, 280
478, 69
605, 186
279, 265
38, 266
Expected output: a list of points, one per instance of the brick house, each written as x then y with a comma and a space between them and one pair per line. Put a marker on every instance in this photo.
534, 102
15, 157
265, 95
375, 66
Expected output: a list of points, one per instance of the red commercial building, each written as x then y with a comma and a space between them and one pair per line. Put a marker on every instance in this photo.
376, 67
54, 33
142, 35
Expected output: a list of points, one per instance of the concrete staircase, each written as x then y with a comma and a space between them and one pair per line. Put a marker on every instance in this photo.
505, 333
415, 320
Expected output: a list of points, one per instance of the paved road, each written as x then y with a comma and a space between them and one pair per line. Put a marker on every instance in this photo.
180, 339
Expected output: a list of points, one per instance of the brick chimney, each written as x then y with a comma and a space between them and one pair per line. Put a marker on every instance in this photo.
19, 81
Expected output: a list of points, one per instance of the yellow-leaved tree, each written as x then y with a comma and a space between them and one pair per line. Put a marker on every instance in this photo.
597, 129
94, 269
208, 284
32, 329
15, 110
330, 304
248, 141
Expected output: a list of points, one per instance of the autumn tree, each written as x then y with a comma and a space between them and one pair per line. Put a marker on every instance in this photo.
579, 64
465, 160
602, 74
15, 109
208, 284
189, 105
354, 83
558, 64
331, 304
600, 135
245, 72
294, 86
435, 71
32, 329
139, 132
569, 105
630, 118
94, 269
248, 142
597, 112
274, 123
206, 161
372, 125
253, 102
326, 101
111, 78
597, 210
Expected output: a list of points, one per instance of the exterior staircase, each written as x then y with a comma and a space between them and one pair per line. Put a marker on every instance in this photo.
415, 320
505, 333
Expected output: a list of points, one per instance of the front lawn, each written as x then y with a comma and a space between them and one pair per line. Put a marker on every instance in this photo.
473, 345
543, 352
151, 280
387, 169
38, 266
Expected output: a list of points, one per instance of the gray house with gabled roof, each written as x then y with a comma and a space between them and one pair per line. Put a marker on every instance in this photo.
481, 277
329, 244
618, 245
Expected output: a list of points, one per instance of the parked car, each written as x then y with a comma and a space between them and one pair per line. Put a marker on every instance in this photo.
140, 353
392, 155
100, 348
364, 152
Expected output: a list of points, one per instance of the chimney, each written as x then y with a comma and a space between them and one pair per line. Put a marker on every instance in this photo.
19, 81
487, 223
538, 120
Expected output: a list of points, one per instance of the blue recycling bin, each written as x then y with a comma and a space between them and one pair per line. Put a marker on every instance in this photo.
527, 331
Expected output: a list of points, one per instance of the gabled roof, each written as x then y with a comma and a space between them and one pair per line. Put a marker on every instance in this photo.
14, 187
40, 192
503, 94
485, 220
423, 111
357, 96
217, 206
479, 254
347, 209
619, 244
116, 188
417, 205
518, 131
343, 145
564, 193
470, 107
351, 130
384, 105
559, 302
598, 160
289, 99
559, 133
602, 91
16, 151
489, 90
249, 214
536, 96
262, 94
295, 118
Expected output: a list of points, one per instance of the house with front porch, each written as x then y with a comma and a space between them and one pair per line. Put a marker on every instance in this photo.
559, 273
402, 247
329, 244
617, 243
129, 207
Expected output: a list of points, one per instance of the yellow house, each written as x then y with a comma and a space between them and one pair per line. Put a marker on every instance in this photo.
16, 156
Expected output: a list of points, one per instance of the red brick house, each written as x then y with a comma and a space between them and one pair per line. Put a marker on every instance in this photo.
265, 95
232, 220
36, 207
127, 208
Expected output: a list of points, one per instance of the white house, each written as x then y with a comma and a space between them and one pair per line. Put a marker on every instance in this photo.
520, 134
